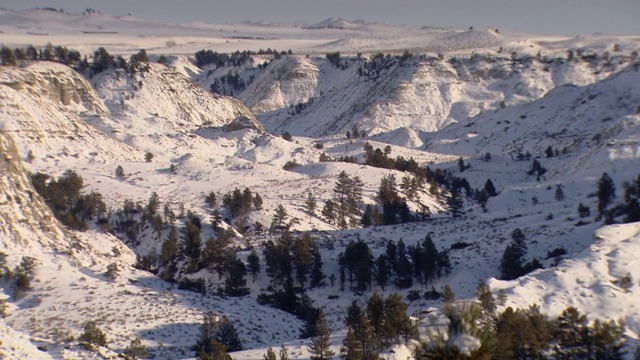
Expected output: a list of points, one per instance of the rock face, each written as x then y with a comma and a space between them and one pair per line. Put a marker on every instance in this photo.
245, 122
49, 106
24, 217
309, 96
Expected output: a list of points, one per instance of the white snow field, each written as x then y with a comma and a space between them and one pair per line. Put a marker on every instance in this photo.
439, 94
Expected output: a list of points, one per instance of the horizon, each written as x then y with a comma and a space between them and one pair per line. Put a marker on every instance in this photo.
565, 17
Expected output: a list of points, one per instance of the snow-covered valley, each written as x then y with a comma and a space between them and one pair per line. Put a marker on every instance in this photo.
494, 101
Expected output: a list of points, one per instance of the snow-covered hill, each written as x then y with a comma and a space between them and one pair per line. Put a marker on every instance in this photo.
309, 96
472, 99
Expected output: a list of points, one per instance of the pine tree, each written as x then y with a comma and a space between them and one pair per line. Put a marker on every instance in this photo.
119, 172
461, 166
228, 335
210, 199
376, 312
192, 246
302, 257
310, 204
320, 345
8, 57
270, 355
482, 198
559, 194
317, 275
329, 212
169, 255
486, 299
279, 219
572, 335
382, 271
284, 354
92, 334
448, 295
606, 193
397, 322
455, 202
583, 210
257, 201
235, 284
490, 189
136, 350
254, 263
154, 204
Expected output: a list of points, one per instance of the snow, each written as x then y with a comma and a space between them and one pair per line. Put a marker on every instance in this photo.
469, 100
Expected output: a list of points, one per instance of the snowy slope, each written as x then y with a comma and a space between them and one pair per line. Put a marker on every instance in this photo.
470, 101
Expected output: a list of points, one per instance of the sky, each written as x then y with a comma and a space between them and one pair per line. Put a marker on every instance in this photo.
566, 17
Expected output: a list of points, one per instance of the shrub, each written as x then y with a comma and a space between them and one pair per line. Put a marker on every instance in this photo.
291, 164
136, 350
413, 295
92, 334
196, 285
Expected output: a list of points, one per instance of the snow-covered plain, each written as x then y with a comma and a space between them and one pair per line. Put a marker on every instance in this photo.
466, 96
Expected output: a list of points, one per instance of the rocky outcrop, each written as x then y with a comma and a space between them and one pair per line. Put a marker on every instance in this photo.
245, 122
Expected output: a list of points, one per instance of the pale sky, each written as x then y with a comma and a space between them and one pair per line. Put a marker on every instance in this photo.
568, 17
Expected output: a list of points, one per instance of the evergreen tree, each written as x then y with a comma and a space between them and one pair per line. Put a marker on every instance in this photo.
154, 204
376, 312
279, 219
192, 246
397, 322
119, 172
360, 342
559, 194
328, 211
169, 255
135, 350
523, 334
549, 152
210, 199
461, 166
257, 201
572, 335
92, 334
270, 355
606, 193
208, 331
310, 204
253, 263
583, 210
536, 168
455, 202
284, 355
320, 345
317, 276
227, 335
448, 295
490, 189
302, 257
463, 323
382, 271
235, 284
482, 198
8, 57
486, 299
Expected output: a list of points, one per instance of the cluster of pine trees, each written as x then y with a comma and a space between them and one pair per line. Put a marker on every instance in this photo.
293, 264
398, 265
381, 323
523, 334
68, 205
101, 59
217, 337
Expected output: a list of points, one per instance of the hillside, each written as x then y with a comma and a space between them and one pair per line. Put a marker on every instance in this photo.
496, 101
